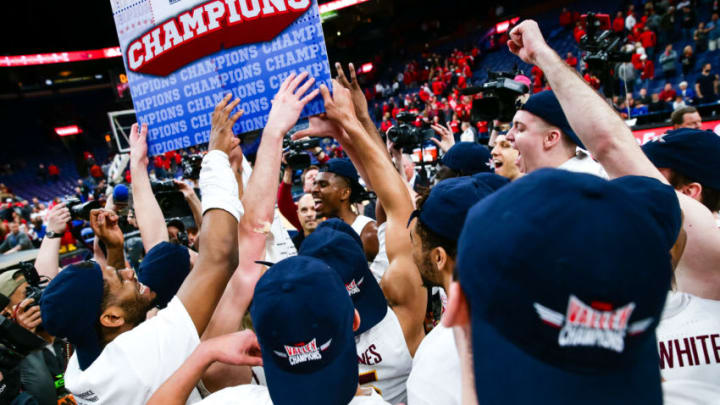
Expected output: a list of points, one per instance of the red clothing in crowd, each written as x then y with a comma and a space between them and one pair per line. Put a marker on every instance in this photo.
667, 95
618, 24
454, 126
438, 87
572, 61
636, 62
287, 206
578, 33
647, 70
648, 39
537, 79
385, 125
53, 170
96, 172
565, 18
482, 127
593, 81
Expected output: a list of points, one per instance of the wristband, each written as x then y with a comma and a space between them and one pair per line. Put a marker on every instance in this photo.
217, 184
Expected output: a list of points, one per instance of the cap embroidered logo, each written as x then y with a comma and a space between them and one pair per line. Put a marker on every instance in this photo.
302, 352
584, 325
353, 287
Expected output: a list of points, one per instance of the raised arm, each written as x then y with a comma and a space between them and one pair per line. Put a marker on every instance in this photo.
104, 224
148, 214
48, 260
218, 258
401, 283
193, 201
601, 129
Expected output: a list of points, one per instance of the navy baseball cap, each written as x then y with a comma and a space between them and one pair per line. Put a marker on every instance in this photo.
445, 208
468, 158
164, 269
70, 308
566, 276
693, 153
344, 167
303, 318
546, 106
120, 193
343, 255
340, 225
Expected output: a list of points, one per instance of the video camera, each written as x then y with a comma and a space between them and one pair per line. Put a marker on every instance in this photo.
170, 199
191, 166
35, 286
296, 158
603, 47
406, 136
81, 210
499, 100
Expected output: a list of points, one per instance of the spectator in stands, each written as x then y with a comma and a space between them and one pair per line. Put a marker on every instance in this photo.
626, 73
657, 104
687, 22
687, 61
647, 71
618, 24
630, 21
15, 241
700, 36
571, 60
714, 33
648, 39
668, 94
706, 86
687, 117
653, 19
643, 98
53, 172
566, 19
668, 60
42, 173
666, 33
578, 32
678, 103
687, 94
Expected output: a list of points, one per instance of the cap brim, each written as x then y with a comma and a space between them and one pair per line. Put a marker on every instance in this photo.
370, 304
88, 351
336, 383
501, 368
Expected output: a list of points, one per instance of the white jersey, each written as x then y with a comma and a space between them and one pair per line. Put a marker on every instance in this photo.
136, 363
259, 395
684, 392
381, 262
689, 339
435, 376
384, 359
583, 163
359, 224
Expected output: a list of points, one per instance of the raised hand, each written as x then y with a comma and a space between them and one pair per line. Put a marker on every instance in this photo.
238, 349
58, 217
289, 102
447, 140
527, 42
28, 318
105, 225
222, 137
338, 106
138, 144
184, 188
358, 97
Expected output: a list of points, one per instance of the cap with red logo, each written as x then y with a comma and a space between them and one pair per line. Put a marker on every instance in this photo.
346, 257
566, 275
303, 318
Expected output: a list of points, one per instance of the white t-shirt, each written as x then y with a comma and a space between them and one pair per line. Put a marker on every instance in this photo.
136, 363
688, 339
359, 224
684, 392
435, 375
381, 262
384, 359
583, 163
259, 395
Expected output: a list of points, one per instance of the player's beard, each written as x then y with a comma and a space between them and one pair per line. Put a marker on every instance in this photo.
430, 276
136, 310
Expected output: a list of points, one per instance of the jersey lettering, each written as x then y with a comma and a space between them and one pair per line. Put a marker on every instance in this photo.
370, 356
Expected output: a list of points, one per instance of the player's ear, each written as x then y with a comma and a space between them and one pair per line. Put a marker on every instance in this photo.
458, 310
356, 320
